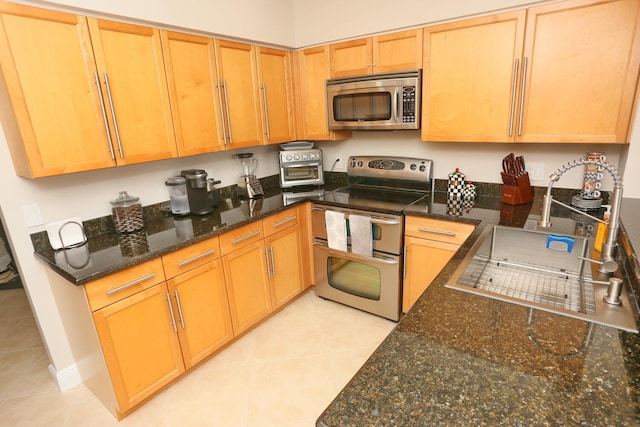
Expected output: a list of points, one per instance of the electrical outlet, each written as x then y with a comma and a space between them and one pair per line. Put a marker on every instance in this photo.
536, 171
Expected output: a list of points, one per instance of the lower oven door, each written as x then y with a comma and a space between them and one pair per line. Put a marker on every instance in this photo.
370, 284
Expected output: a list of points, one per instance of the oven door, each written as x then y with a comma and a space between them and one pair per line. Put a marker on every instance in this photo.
371, 284
303, 173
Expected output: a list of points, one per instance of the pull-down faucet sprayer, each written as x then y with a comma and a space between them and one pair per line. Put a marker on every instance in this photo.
607, 263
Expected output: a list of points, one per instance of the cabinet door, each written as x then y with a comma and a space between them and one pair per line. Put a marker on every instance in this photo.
285, 268
238, 73
470, 79
397, 51
202, 311
129, 57
50, 76
351, 58
277, 101
582, 71
424, 259
312, 70
191, 73
139, 344
245, 272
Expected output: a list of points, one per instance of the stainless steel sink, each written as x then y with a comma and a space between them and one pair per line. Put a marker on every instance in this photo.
540, 270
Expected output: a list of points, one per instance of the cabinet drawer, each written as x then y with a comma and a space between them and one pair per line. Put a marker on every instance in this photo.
122, 284
435, 229
279, 221
191, 257
240, 237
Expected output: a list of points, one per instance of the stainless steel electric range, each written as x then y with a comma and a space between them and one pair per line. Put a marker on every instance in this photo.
358, 232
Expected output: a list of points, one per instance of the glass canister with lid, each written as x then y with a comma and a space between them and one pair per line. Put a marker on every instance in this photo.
126, 212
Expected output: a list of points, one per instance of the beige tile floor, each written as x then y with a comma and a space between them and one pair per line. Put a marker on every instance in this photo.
283, 373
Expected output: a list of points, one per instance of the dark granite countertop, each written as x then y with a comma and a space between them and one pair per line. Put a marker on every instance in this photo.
455, 358
466, 360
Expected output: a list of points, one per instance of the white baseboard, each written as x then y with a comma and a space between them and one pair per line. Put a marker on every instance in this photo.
66, 378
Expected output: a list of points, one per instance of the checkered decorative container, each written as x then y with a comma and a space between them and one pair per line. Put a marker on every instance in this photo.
456, 185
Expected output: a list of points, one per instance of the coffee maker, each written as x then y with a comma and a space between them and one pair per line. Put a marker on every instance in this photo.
200, 192
248, 185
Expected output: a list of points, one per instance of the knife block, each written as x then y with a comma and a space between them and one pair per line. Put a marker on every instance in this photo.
519, 194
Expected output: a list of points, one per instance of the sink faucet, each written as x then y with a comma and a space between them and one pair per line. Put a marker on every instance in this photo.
607, 263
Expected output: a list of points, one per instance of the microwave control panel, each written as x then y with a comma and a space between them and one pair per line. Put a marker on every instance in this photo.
409, 104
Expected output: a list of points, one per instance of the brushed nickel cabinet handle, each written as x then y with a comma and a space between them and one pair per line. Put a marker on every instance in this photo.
266, 110
175, 293
522, 88
240, 239
104, 114
113, 115
513, 95
226, 103
173, 318
431, 230
284, 221
273, 261
266, 257
195, 258
128, 285
222, 113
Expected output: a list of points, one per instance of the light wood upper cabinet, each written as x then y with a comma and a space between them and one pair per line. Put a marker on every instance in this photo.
192, 77
380, 54
274, 80
469, 79
570, 78
129, 60
50, 79
237, 71
581, 71
311, 70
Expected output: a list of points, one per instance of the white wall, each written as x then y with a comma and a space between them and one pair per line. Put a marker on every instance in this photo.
286, 22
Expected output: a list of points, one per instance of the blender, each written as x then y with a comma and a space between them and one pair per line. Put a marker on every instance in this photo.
248, 185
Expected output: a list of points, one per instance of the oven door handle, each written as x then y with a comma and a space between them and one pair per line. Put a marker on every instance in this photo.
356, 257
374, 219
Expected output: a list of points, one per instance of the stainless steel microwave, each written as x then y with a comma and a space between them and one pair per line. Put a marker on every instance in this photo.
386, 101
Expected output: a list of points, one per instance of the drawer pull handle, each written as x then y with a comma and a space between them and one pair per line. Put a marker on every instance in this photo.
248, 236
431, 230
278, 224
195, 258
128, 285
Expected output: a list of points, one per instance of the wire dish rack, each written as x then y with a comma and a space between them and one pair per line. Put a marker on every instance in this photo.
564, 290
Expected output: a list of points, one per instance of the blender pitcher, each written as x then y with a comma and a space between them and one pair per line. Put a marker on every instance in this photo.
248, 184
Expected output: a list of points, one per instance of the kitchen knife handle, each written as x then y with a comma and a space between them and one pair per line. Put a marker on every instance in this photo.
113, 114
266, 110
522, 88
222, 112
513, 95
104, 114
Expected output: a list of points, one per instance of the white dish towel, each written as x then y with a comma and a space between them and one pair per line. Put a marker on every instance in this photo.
361, 238
336, 230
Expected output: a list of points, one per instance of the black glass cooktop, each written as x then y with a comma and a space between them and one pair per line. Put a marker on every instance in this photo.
375, 199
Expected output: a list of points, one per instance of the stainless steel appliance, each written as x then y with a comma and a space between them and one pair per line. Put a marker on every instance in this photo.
379, 190
248, 184
301, 167
385, 101
200, 191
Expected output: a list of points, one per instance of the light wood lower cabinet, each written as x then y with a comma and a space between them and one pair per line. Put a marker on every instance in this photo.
140, 345
284, 265
429, 245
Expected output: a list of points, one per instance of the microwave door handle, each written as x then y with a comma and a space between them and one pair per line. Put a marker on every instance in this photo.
396, 107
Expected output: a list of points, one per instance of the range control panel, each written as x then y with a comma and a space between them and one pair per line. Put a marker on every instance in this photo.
406, 168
